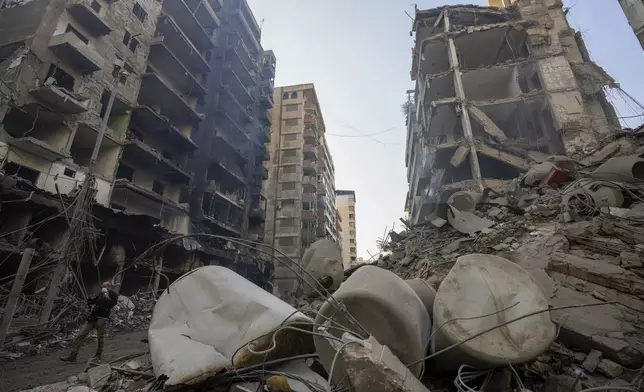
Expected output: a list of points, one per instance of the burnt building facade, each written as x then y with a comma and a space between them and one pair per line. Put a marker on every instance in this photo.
103, 119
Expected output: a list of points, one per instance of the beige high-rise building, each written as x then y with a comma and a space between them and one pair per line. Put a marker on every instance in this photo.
300, 190
346, 202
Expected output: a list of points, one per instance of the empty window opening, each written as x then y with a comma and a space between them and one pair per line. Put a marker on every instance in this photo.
134, 43
125, 172
139, 12
61, 78
285, 96
69, 172
289, 122
158, 187
96, 6
71, 29
289, 241
294, 95
17, 170
126, 38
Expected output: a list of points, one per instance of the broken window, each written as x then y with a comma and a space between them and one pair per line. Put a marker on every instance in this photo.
69, 172
120, 74
134, 43
71, 29
125, 172
61, 78
17, 170
139, 12
96, 6
291, 108
158, 187
289, 122
126, 38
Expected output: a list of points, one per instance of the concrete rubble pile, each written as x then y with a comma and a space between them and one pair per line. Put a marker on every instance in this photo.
130, 314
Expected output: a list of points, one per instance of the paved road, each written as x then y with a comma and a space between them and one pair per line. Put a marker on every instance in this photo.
29, 372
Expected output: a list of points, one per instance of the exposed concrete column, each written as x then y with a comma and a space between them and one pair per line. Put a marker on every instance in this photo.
52, 291
16, 290
465, 115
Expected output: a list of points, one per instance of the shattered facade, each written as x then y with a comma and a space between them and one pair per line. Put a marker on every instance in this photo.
497, 89
301, 180
346, 202
109, 96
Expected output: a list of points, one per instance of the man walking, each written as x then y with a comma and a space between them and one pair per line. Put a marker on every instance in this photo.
103, 303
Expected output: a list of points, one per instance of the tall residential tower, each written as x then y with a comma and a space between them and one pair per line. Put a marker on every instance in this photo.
346, 202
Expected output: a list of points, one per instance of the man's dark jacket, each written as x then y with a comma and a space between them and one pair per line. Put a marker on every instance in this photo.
102, 305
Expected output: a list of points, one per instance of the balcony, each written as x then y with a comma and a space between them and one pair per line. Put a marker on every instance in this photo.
76, 53
228, 225
153, 122
60, 99
157, 92
309, 167
309, 183
266, 91
190, 18
146, 156
171, 35
230, 198
89, 19
138, 195
234, 84
238, 52
38, 148
268, 68
310, 151
310, 137
308, 215
165, 62
266, 117
249, 24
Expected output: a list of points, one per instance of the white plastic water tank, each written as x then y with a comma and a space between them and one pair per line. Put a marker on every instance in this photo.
387, 307
481, 284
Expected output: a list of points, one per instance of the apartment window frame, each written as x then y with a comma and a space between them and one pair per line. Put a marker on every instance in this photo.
292, 107
291, 122
139, 12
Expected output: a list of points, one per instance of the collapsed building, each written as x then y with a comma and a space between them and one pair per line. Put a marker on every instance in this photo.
497, 89
301, 181
103, 106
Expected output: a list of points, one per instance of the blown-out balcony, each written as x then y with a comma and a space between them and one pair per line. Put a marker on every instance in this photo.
196, 19
87, 17
145, 156
148, 119
156, 92
76, 53
169, 32
172, 68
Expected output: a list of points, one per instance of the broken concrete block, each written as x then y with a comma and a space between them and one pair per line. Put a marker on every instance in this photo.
99, 375
459, 156
375, 368
495, 212
592, 360
23, 347
630, 259
451, 247
610, 368
562, 383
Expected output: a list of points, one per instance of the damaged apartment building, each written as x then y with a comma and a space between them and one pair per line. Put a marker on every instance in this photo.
497, 89
301, 181
227, 197
111, 95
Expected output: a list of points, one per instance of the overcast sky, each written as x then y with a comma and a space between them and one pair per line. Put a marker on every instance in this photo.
358, 54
